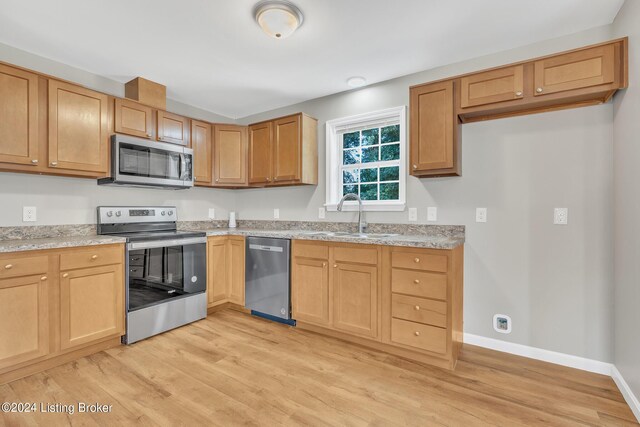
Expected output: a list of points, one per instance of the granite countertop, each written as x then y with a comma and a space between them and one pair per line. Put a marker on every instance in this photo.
411, 240
19, 245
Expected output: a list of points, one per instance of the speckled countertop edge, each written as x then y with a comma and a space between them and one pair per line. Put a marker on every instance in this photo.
22, 245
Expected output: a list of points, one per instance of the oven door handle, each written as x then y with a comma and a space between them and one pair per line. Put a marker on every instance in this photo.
166, 243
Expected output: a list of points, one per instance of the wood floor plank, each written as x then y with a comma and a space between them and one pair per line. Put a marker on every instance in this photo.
234, 369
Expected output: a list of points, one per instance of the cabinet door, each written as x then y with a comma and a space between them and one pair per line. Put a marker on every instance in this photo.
217, 289
134, 119
201, 143
230, 155
91, 305
260, 151
575, 70
505, 84
433, 132
355, 299
173, 128
78, 128
18, 116
24, 316
235, 270
286, 149
310, 290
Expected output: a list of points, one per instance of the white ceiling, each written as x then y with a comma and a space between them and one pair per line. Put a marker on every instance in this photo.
211, 54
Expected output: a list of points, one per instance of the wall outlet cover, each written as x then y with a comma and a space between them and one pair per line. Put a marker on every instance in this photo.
29, 214
561, 216
432, 213
413, 214
502, 323
481, 214
276, 213
212, 213
322, 213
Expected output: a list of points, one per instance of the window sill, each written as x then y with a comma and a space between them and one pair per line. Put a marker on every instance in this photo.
367, 207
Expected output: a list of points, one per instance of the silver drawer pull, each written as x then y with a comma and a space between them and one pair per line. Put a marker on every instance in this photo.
417, 333
417, 307
8, 266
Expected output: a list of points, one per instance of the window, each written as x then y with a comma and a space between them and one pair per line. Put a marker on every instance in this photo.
365, 156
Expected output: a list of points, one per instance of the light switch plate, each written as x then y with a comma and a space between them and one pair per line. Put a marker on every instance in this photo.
322, 213
561, 216
276, 213
29, 214
432, 213
413, 214
481, 214
212, 213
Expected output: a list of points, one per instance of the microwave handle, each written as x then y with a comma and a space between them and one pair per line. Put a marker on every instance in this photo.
183, 166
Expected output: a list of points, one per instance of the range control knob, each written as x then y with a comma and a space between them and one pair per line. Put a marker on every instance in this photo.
110, 214
163, 213
118, 213
170, 213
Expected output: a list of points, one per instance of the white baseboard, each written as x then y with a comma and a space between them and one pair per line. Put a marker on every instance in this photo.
563, 359
628, 395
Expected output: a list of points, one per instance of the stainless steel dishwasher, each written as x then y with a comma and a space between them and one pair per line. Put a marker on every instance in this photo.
267, 278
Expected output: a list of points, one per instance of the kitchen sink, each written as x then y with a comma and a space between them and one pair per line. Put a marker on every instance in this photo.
350, 235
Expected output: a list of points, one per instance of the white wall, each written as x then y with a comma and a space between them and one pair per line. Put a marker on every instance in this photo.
554, 281
627, 206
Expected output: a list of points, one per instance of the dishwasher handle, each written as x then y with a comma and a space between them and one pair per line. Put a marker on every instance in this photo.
255, 247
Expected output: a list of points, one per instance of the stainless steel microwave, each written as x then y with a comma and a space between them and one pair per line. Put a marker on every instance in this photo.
139, 162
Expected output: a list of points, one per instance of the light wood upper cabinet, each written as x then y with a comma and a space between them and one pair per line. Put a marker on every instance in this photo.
135, 119
235, 262
173, 128
260, 152
24, 315
217, 287
18, 116
355, 298
230, 156
91, 305
434, 142
503, 84
78, 128
310, 295
202, 145
575, 70
287, 145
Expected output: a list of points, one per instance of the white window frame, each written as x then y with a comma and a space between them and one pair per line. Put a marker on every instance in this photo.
334, 161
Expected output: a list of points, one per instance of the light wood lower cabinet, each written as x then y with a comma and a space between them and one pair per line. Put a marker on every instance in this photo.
51, 315
405, 301
225, 270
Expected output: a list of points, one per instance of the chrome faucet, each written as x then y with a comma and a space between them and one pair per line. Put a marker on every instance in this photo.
362, 225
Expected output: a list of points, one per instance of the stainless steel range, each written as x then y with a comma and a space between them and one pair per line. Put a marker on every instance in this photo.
166, 269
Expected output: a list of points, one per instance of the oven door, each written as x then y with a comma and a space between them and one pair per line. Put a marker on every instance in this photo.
142, 162
159, 271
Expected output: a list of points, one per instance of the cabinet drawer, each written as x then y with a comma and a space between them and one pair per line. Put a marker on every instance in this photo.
89, 257
23, 266
420, 336
419, 261
418, 283
356, 255
419, 310
311, 250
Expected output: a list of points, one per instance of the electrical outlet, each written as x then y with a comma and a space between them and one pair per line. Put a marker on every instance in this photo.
561, 216
29, 214
502, 323
322, 213
276, 213
413, 214
481, 214
432, 213
212, 213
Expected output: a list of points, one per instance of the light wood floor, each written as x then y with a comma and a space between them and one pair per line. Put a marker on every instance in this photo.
233, 369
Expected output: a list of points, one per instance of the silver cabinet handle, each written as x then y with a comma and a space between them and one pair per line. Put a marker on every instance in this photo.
518, 93
34, 161
54, 164
539, 90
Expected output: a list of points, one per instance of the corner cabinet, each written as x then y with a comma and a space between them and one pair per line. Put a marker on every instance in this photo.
230, 156
284, 151
225, 270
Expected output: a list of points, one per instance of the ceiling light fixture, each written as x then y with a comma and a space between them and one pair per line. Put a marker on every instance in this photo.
356, 81
279, 19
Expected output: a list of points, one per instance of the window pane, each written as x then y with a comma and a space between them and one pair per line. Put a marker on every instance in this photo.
369, 191
390, 191
390, 152
351, 140
390, 173
350, 176
346, 189
350, 157
390, 134
369, 175
370, 137
370, 154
